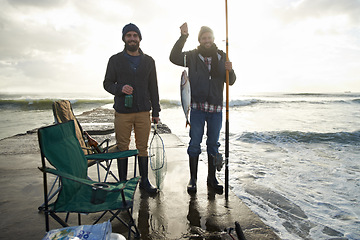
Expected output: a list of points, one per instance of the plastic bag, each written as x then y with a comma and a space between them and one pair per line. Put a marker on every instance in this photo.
84, 232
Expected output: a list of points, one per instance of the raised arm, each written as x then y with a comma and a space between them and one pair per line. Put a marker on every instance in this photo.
176, 55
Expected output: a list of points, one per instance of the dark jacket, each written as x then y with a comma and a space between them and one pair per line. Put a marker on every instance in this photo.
143, 81
203, 88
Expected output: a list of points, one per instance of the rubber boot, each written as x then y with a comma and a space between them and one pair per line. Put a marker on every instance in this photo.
122, 168
144, 182
193, 164
211, 179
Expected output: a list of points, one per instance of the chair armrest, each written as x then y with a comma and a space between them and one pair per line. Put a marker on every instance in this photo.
86, 148
107, 141
112, 155
111, 187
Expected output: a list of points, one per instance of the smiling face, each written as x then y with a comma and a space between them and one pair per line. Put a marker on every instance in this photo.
206, 39
132, 41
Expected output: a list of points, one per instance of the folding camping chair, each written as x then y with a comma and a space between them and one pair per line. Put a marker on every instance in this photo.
60, 147
63, 112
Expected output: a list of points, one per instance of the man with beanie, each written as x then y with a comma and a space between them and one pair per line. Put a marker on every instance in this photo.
207, 73
131, 78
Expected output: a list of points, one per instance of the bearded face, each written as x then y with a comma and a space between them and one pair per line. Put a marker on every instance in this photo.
207, 40
132, 41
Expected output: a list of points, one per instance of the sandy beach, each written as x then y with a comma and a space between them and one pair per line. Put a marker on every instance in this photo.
172, 214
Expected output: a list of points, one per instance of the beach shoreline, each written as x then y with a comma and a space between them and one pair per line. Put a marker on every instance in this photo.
172, 214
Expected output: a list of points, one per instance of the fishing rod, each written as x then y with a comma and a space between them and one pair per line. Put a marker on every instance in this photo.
227, 112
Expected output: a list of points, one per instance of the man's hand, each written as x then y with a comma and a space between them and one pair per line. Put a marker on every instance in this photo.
155, 120
127, 89
228, 66
184, 29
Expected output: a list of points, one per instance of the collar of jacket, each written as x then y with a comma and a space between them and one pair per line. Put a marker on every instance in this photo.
140, 51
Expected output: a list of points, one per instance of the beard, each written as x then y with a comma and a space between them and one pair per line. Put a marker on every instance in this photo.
132, 48
208, 51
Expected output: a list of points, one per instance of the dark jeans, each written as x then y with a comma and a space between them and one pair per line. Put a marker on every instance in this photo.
214, 124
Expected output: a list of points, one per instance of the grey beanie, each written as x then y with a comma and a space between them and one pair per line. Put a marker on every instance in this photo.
203, 30
130, 27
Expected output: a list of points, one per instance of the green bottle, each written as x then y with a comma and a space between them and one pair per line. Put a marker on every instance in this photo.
129, 101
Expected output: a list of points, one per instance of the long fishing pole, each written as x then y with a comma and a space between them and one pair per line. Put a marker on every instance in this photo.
227, 112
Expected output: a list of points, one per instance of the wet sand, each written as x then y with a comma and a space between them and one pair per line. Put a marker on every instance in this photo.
171, 214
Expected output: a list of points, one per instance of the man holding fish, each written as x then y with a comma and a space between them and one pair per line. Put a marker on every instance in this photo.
207, 67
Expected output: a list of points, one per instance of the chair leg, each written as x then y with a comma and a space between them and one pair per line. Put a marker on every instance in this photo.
47, 221
129, 225
42, 207
46, 200
97, 220
67, 217
59, 220
132, 224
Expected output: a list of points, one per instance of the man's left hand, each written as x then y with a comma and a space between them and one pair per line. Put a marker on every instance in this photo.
155, 120
228, 66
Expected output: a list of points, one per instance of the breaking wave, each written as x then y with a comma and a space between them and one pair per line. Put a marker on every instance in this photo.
44, 104
18, 102
352, 138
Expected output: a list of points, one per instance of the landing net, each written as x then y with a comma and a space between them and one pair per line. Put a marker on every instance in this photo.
157, 156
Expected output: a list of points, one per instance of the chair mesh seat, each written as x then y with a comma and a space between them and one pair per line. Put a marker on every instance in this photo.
81, 202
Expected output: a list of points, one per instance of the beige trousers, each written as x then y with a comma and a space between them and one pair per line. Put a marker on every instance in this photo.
141, 123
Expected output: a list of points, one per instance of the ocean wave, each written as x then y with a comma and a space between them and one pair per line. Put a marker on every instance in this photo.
167, 103
45, 104
247, 102
19, 102
357, 100
273, 137
329, 95
254, 101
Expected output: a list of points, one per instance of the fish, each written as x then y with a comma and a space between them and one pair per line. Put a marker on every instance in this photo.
185, 96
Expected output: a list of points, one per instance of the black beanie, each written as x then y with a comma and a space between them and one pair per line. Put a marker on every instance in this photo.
130, 27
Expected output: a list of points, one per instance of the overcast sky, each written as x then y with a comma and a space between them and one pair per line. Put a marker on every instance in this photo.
275, 45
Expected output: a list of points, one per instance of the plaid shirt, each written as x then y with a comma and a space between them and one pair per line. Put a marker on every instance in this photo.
206, 107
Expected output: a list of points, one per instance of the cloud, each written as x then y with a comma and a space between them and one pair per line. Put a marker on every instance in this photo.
56, 45
35, 47
321, 8
37, 3
36, 32
52, 42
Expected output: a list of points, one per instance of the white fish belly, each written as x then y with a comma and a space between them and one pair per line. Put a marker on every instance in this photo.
185, 95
